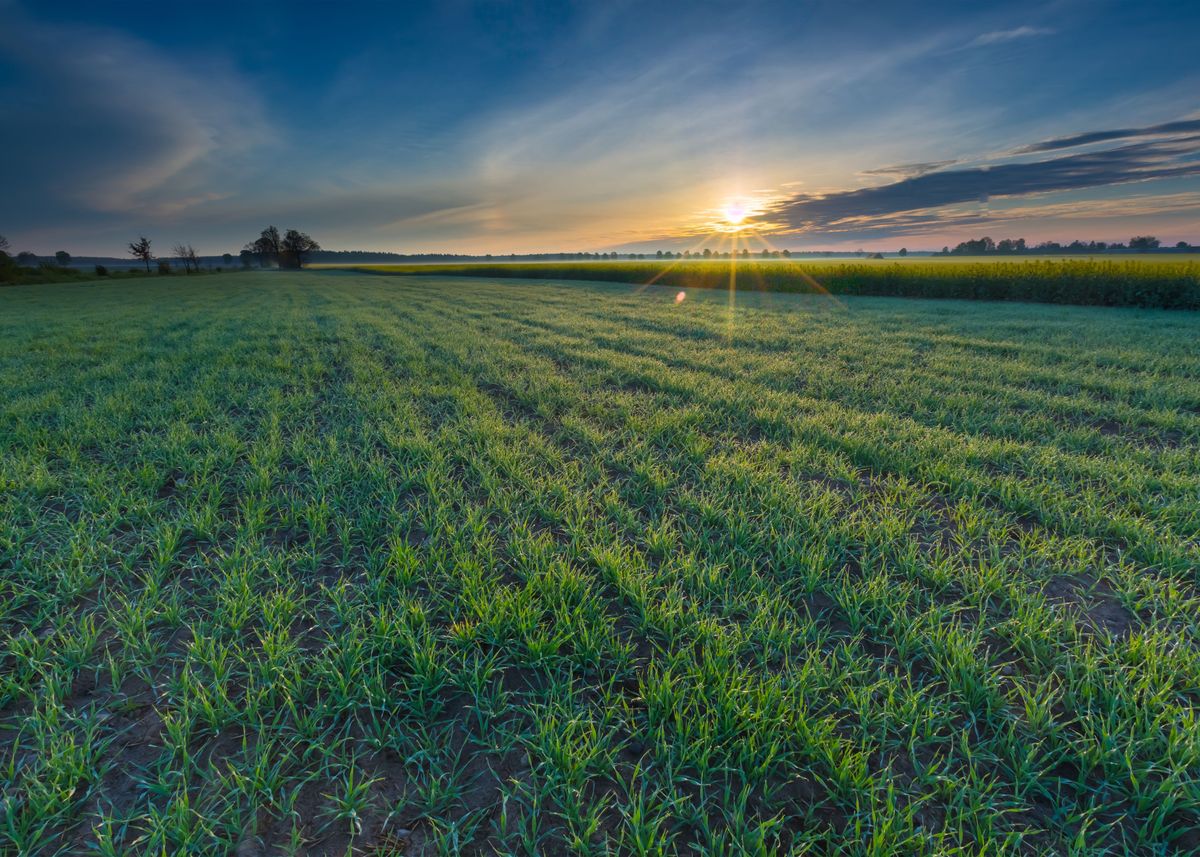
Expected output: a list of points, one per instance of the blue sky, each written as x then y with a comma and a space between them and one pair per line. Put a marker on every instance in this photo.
515, 127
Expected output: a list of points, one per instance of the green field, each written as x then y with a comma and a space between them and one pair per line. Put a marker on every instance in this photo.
1167, 281
306, 563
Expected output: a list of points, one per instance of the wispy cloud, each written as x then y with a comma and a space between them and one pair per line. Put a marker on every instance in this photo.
907, 170
108, 123
998, 36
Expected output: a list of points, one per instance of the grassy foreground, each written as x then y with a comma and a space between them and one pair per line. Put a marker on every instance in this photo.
1154, 281
306, 563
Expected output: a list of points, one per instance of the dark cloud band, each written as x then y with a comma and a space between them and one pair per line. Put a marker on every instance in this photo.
1176, 157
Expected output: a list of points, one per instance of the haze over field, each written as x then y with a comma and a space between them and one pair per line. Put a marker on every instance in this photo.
617, 126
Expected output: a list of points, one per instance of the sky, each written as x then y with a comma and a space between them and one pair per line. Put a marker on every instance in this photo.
596, 126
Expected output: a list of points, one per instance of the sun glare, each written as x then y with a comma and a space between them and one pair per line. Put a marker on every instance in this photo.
734, 213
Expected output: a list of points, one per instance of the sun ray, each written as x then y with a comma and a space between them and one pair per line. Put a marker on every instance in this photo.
808, 278
679, 260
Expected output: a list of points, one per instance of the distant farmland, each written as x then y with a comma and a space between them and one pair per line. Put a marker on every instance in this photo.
1163, 281
308, 563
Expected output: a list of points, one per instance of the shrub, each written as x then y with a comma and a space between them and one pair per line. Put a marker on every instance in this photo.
101, 271
164, 267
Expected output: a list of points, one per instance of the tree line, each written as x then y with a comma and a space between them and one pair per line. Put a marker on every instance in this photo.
1011, 246
270, 249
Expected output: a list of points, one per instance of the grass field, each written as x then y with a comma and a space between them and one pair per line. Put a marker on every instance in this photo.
306, 563
1167, 281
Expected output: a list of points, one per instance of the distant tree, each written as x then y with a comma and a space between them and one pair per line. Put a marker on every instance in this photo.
1183, 245
140, 249
1142, 243
164, 267
267, 247
63, 258
903, 251
659, 254
707, 253
3, 244
227, 259
975, 247
766, 254
787, 254
25, 257
183, 252
101, 271
246, 257
297, 245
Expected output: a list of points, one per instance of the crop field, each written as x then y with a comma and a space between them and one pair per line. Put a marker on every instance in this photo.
332, 563
1169, 281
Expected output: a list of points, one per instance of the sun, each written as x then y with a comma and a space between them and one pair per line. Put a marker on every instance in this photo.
734, 213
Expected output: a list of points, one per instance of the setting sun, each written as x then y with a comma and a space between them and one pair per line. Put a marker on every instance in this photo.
734, 213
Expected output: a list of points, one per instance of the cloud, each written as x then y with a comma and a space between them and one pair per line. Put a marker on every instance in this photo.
1182, 126
103, 122
998, 36
908, 170
915, 200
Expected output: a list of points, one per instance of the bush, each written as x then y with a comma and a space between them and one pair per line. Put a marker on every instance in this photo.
8, 268
164, 267
101, 271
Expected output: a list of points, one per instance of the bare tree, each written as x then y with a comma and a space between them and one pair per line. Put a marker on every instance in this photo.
3, 244
140, 249
296, 245
186, 254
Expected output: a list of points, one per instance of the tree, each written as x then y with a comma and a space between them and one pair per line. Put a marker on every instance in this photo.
140, 249
903, 251
25, 257
180, 251
63, 258
3, 244
787, 254
266, 247
1183, 245
187, 255
227, 259
1142, 243
246, 256
297, 245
